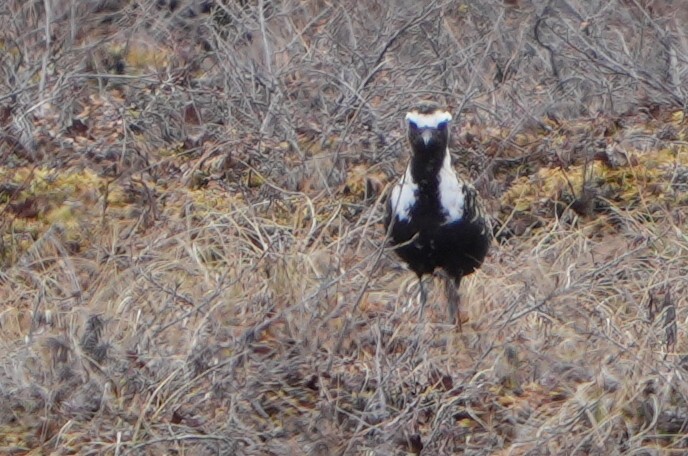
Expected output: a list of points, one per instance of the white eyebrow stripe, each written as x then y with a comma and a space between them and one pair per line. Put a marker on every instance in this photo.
428, 120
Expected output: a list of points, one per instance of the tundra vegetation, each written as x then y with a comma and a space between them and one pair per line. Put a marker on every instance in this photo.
191, 241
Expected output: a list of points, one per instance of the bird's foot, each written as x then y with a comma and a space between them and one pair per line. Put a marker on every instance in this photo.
457, 316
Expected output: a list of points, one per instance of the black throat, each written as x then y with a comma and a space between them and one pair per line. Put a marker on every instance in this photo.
425, 169
425, 166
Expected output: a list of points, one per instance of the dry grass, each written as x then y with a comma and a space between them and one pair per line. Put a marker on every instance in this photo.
192, 255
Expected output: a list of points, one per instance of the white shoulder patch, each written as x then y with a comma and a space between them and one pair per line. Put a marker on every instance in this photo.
404, 196
451, 192
428, 120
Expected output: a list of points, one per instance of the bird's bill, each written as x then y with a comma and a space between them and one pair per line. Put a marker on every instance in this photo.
427, 136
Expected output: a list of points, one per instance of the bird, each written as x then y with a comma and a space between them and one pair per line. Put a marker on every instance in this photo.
434, 218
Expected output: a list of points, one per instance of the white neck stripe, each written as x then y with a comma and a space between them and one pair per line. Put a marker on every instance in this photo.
428, 120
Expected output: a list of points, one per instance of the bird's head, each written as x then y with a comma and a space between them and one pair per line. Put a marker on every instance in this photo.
428, 128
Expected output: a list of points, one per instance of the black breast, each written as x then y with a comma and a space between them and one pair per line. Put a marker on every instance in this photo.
426, 241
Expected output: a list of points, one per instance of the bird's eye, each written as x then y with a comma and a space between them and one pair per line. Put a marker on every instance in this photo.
412, 125
442, 125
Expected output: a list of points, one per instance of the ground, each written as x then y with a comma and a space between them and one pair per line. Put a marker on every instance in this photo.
192, 257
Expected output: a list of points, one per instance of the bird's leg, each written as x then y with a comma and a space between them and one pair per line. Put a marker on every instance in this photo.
453, 298
423, 296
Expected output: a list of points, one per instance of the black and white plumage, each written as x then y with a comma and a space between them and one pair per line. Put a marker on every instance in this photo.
434, 218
